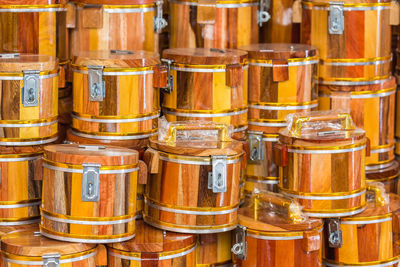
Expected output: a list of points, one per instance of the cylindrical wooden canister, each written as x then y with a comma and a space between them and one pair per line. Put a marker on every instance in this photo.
30, 248
387, 174
89, 193
116, 96
353, 38
29, 96
274, 232
370, 238
214, 250
207, 84
202, 171
397, 118
116, 25
154, 247
321, 158
372, 108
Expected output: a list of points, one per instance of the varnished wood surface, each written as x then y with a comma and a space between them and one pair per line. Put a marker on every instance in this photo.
65, 105
205, 56
387, 175
214, 249
279, 51
115, 2
29, 2
28, 62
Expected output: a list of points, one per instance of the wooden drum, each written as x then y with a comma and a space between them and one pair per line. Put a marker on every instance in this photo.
273, 232
30, 248
89, 193
29, 97
370, 238
372, 108
194, 179
386, 174
214, 250
116, 96
321, 159
207, 84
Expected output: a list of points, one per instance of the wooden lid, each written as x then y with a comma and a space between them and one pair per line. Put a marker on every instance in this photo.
279, 51
78, 154
205, 56
114, 2
30, 2
117, 59
388, 171
152, 240
27, 62
30, 243
11, 150
15, 228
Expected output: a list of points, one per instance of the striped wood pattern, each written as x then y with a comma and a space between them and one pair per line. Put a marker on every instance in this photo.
388, 175
214, 249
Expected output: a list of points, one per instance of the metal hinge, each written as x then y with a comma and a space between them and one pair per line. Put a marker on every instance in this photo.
51, 260
263, 15
335, 239
97, 91
30, 91
159, 22
170, 78
9, 55
240, 247
336, 18
91, 182
256, 146
217, 177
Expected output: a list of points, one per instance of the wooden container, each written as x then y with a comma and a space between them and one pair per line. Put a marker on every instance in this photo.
116, 25
207, 84
397, 118
29, 115
30, 248
115, 95
387, 174
214, 250
368, 239
273, 232
153, 247
372, 108
353, 38
99, 203
321, 160
65, 105
193, 201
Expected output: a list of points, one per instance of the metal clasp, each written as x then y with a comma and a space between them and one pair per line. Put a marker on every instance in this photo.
30, 91
256, 146
51, 260
91, 182
335, 238
97, 91
9, 55
263, 15
91, 147
240, 247
170, 78
217, 177
159, 22
336, 18
121, 52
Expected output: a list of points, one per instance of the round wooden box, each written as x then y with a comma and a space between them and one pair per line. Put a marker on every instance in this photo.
29, 96
194, 182
154, 247
30, 248
353, 38
368, 239
214, 250
387, 174
274, 232
372, 108
89, 193
207, 84
321, 164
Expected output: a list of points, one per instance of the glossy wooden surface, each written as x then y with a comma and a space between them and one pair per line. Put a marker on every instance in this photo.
65, 105
214, 249
397, 119
388, 175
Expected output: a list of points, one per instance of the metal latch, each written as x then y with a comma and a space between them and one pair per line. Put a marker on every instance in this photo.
256, 146
170, 78
91, 182
159, 22
91, 147
30, 91
9, 55
263, 15
335, 239
336, 18
97, 90
121, 52
240, 247
217, 177
51, 260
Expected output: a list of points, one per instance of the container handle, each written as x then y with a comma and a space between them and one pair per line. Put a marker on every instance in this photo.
223, 131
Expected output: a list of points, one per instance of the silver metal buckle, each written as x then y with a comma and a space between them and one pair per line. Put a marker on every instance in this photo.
159, 22
336, 18
97, 91
170, 78
263, 15
90, 182
51, 260
335, 238
256, 146
217, 177
240, 247
30, 91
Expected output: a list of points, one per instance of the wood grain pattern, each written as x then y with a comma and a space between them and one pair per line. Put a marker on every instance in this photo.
214, 249
397, 118
388, 175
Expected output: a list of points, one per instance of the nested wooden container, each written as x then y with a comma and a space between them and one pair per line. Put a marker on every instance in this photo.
89, 193
372, 108
116, 96
154, 247
321, 158
274, 232
386, 174
370, 238
353, 38
29, 97
30, 248
116, 25
194, 180
207, 84
214, 250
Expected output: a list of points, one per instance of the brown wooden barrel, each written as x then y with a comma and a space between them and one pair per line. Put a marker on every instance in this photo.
387, 174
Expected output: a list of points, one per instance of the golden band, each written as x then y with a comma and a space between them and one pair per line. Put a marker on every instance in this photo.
218, 111
22, 155
80, 167
152, 131
116, 117
289, 60
313, 148
330, 194
377, 93
78, 4
200, 159
276, 104
311, 4
21, 74
85, 68
26, 201
91, 237
369, 218
22, 140
381, 161
224, 1
385, 179
31, 6
388, 262
353, 60
38, 121
362, 79
160, 254
280, 234
334, 211
261, 178
83, 218
21, 219
222, 264
33, 258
